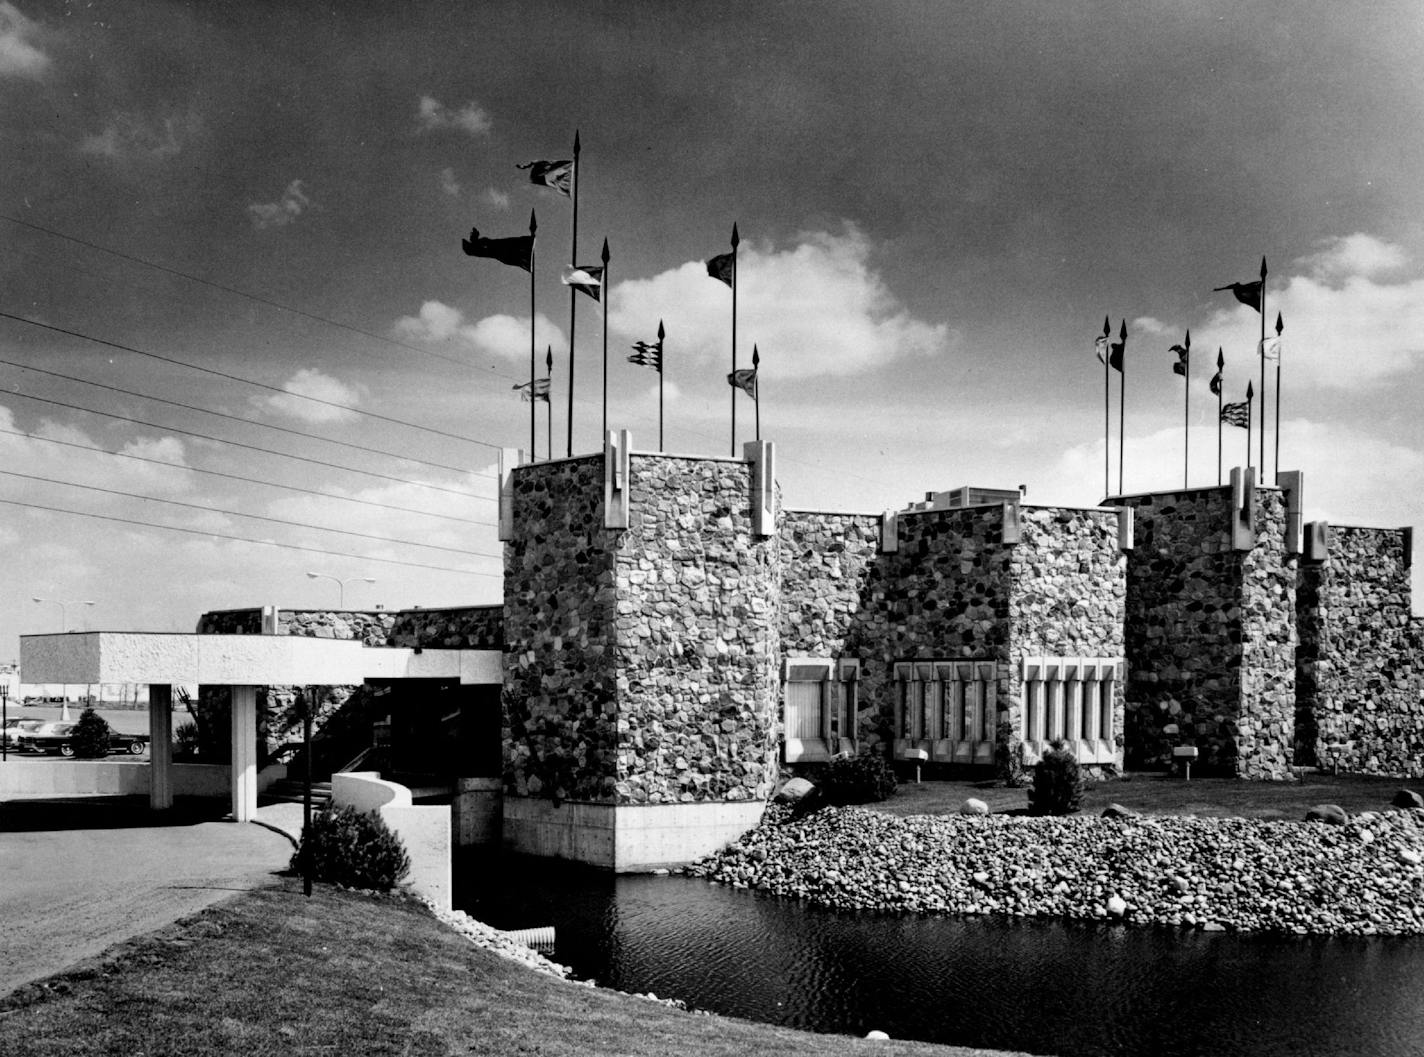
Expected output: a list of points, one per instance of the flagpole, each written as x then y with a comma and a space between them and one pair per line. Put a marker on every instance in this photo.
735, 241
549, 404
662, 367
756, 375
603, 298
1220, 385
1186, 410
1280, 326
1107, 404
573, 297
1250, 406
533, 227
1121, 405
1262, 352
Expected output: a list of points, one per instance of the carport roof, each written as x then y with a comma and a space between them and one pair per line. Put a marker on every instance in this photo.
239, 660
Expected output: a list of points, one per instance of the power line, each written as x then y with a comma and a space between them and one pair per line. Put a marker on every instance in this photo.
246, 539
245, 381
238, 513
240, 444
258, 298
251, 480
244, 421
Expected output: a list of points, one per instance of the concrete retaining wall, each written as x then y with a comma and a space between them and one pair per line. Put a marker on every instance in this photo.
51, 778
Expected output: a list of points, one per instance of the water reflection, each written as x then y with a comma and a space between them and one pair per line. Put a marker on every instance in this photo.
1075, 990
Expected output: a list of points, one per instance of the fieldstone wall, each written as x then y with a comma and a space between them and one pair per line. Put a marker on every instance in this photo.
833, 601
457, 628
1361, 670
1067, 598
371, 627
1210, 634
698, 643
560, 636
230, 622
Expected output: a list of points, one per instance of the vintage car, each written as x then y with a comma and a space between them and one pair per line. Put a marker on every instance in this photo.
16, 726
59, 738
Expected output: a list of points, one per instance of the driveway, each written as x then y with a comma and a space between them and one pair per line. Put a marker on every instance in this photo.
78, 876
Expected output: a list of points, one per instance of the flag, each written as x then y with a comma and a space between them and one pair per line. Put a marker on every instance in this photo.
540, 390
1115, 356
555, 174
1215, 383
1271, 348
517, 252
586, 278
1246, 293
648, 354
1100, 348
745, 380
1237, 414
720, 267
1180, 367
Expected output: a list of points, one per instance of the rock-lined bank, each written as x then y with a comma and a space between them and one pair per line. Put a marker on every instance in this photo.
1362, 878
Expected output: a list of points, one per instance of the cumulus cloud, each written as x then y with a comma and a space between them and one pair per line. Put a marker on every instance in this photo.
292, 204
498, 335
19, 55
815, 308
315, 386
1351, 319
448, 183
496, 198
433, 116
131, 138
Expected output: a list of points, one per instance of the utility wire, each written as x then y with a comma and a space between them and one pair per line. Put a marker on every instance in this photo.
249, 447
246, 539
245, 381
249, 480
259, 299
244, 421
238, 513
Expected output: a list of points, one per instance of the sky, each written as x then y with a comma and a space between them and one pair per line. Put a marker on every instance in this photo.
235, 316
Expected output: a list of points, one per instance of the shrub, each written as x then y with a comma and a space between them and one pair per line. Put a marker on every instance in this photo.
857, 780
1008, 756
90, 736
185, 740
353, 848
1057, 783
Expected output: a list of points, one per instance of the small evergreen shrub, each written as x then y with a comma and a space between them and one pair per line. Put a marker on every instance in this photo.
352, 848
1057, 783
857, 780
90, 736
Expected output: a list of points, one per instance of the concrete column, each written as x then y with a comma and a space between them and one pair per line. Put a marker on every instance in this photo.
160, 746
244, 753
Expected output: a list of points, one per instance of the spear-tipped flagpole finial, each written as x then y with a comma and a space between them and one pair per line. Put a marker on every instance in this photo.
576, 141
1280, 325
533, 223
1188, 341
1107, 326
1263, 268
736, 239
604, 255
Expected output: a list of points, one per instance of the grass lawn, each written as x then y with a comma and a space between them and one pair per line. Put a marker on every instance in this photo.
271, 972
1154, 793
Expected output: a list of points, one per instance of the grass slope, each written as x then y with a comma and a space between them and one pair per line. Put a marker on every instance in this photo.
270, 972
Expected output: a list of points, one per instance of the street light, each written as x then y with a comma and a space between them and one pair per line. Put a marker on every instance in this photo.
341, 584
64, 610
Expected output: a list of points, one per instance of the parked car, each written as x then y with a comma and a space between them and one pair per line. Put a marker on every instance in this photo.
17, 725
59, 738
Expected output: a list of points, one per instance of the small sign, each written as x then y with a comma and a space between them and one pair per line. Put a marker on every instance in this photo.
1185, 752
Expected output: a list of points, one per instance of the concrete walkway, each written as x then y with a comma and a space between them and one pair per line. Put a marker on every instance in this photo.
78, 876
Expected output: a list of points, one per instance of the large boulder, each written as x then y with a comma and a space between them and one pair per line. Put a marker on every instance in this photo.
973, 806
795, 791
1407, 798
1330, 814
1116, 810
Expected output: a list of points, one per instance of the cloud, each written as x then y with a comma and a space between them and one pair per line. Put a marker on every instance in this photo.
309, 382
433, 116
1348, 326
499, 335
815, 308
136, 139
293, 203
19, 57
448, 183
495, 197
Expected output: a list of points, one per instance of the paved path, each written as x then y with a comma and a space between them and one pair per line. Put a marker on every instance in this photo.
78, 876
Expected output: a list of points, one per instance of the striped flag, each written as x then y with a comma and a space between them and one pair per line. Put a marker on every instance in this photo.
648, 354
540, 390
557, 175
1237, 414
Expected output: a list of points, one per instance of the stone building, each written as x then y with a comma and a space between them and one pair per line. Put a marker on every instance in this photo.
672, 637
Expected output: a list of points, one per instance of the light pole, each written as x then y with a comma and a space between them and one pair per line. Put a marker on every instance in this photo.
341, 584
64, 608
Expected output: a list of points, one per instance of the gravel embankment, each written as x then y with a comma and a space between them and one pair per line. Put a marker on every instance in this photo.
1362, 878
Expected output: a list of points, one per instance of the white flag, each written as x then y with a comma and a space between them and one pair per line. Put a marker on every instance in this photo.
1271, 348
